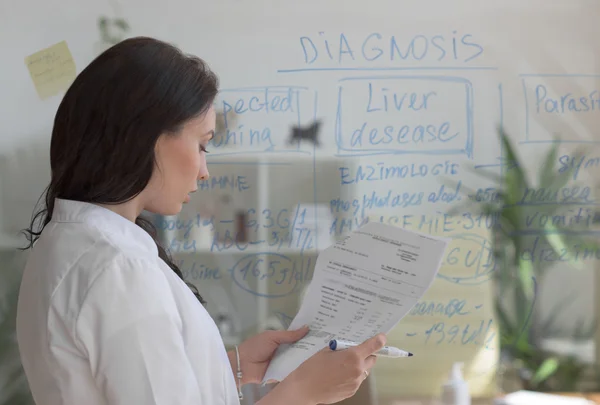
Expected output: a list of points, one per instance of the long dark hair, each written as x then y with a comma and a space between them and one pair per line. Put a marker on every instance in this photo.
107, 125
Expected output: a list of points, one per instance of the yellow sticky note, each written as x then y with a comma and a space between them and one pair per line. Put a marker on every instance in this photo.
52, 69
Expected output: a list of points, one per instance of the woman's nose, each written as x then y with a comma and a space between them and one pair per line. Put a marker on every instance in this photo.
203, 173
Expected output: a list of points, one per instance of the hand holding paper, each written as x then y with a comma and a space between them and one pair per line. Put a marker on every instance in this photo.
362, 285
329, 377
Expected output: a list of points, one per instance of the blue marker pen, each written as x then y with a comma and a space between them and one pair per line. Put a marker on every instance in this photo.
386, 351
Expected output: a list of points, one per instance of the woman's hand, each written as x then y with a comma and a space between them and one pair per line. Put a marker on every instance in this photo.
257, 351
328, 376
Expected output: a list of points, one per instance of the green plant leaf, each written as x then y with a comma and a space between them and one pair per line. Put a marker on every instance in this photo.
547, 176
571, 241
502, 272
545, 370
557, 241
524, 293
515, 178
507, 327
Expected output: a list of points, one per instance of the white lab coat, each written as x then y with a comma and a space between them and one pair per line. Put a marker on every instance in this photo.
103, 320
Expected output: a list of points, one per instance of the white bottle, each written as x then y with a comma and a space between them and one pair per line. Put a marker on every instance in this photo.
456, 390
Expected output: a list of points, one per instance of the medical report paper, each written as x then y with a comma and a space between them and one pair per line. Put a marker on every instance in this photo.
362, 285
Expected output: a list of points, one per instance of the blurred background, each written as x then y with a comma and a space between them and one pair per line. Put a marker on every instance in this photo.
473, 121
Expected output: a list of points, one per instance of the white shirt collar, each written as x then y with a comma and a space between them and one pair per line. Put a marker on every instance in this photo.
117, 226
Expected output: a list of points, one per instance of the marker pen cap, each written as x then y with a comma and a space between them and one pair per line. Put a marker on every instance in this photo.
338, 344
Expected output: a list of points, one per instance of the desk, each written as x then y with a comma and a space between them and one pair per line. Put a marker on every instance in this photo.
423, 401
594, 397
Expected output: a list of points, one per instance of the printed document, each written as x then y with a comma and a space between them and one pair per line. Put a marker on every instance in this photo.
362, 285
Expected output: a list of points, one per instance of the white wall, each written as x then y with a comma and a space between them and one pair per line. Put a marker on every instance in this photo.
254, 44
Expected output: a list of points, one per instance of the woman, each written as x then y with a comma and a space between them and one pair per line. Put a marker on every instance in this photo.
104, 315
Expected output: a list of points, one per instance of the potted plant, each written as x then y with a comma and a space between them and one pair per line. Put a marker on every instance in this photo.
518, 235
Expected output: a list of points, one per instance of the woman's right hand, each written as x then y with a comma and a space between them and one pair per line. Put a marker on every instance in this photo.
331, 376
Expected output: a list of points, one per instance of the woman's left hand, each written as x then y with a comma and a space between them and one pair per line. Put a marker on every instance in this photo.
257, 351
